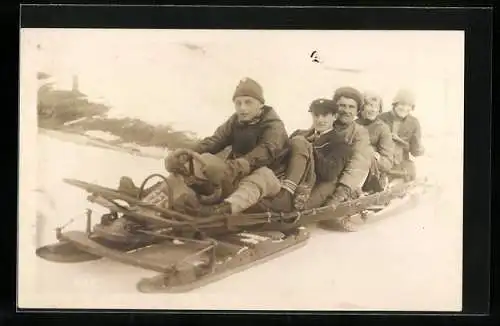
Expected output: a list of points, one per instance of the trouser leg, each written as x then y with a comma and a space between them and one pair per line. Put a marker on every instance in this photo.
376, 179
320, 194
300, 155
410, 169
260, 184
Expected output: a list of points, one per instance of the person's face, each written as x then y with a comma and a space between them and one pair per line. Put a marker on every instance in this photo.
348, 109
247, 108
402, 109
323, 122
370, 111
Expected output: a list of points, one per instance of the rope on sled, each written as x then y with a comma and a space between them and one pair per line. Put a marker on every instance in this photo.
344, 208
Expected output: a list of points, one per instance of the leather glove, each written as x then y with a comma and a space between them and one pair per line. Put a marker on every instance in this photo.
342, 193
176, 161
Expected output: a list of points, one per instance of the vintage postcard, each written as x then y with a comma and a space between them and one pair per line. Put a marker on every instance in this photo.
241, 169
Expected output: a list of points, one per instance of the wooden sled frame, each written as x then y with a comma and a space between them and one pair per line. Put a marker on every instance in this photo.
166, 217
216, 240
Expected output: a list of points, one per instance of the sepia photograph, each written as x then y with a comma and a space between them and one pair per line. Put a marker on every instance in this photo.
241, 169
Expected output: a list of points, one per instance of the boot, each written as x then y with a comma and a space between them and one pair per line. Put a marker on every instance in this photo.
283, 202
187, 203
128, 187
223, 208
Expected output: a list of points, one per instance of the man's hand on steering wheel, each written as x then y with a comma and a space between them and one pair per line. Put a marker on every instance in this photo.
178, 161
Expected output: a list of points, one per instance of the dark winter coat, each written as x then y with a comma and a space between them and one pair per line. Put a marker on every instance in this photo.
409, 131
357, 168
331, 153
262, 143
381, 141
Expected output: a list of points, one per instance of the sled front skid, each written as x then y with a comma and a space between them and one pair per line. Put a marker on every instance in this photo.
231, 256
242, 261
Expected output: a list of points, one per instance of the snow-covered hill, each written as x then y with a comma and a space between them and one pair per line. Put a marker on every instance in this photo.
411, 261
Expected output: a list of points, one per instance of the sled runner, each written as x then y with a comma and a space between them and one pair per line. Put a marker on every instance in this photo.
188, 251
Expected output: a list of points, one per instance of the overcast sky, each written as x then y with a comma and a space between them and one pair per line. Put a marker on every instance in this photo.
150, 74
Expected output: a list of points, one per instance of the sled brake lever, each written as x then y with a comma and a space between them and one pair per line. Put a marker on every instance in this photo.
60, 228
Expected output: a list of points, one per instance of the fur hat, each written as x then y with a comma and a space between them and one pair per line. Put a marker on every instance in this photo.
249, 87
323, 106
349, 92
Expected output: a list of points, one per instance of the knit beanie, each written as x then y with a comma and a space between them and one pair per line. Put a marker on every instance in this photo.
349, 92
371, 97
249, 87
405, 96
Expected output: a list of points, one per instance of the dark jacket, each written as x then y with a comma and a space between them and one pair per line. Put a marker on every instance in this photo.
262, 143
331, 153
358, 166
408, 129
381, 141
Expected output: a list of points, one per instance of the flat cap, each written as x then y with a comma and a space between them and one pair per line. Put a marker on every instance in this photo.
323, 106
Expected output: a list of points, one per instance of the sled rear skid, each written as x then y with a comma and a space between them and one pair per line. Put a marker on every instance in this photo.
150, 214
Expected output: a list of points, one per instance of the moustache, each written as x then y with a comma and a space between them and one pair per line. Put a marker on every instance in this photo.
345, 113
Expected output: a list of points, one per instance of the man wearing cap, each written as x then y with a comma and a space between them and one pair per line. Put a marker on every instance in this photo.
406, 132
349, 102
317, 156
380, 139
259, 142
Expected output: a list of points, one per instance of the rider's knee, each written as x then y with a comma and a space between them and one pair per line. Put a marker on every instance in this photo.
299, 144
266, 180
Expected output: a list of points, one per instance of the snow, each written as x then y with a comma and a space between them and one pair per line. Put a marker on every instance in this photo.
410, 261
102, 135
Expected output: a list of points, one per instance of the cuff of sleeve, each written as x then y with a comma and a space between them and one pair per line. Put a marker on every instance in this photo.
244, 165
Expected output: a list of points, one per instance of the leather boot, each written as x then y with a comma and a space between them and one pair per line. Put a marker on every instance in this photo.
187, 203
283, 202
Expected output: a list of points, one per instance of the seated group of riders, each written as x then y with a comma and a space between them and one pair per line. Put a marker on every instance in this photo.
352, 147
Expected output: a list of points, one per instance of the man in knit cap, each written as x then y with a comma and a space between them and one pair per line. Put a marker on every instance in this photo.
349, 102
259, 142
406, 132
380, 139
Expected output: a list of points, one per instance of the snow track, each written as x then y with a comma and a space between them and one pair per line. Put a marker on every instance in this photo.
406, 262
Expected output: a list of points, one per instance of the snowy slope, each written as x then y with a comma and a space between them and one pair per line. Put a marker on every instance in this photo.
409, 261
